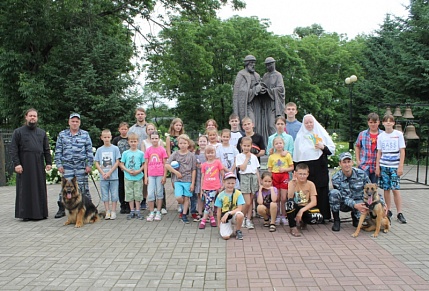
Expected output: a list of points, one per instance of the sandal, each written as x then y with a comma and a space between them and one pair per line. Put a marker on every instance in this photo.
295, 232
266, 223
272, 227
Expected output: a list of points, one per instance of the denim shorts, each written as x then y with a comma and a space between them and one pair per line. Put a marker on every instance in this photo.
154, 188
182, 189
112, 187
389, 179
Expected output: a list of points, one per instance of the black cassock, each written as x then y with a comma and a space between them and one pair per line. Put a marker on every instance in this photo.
30, 149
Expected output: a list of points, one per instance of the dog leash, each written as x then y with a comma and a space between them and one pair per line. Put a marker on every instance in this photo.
95, 185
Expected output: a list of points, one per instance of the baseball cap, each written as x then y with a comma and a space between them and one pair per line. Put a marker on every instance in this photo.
74, 115
345, 155
229, 175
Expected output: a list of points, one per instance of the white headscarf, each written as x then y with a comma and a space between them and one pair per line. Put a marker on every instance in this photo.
305, 141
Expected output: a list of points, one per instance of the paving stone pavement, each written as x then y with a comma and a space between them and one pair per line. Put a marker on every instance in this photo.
168, 255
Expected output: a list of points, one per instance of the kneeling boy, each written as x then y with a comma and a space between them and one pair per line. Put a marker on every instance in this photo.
229, 204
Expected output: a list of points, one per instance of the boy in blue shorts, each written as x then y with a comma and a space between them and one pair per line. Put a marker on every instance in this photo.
229, 205
390, 164
132, 163
107, 161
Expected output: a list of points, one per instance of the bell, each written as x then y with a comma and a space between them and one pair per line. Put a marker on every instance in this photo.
398, 127
397, 112
408, 114
388, 112
410, 132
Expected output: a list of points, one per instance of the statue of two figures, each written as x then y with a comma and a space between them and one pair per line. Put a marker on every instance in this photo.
260, 99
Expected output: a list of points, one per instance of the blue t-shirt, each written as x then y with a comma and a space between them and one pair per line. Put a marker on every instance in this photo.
106, 158
133, 160
293, 128
225, 200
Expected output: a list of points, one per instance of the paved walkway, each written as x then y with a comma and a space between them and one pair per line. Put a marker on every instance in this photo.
168, 255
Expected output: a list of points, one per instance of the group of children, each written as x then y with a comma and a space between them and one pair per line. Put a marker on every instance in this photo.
229, 162
219, 182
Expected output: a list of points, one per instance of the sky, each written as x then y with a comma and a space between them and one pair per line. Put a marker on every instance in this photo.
344, 17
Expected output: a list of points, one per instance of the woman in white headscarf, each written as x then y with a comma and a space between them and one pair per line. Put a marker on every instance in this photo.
312, 146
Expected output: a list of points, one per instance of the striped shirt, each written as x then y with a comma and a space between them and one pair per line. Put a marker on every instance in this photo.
390, 145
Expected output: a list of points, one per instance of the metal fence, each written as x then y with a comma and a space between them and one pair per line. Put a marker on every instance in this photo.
6, 171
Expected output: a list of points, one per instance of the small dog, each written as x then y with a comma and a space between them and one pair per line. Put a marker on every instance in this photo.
375, 210
79, 208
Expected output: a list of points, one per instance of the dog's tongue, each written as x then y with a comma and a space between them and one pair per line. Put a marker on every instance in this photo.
370, 200
68, 195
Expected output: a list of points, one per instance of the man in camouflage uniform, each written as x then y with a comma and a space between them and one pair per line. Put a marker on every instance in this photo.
347, 194
74, 157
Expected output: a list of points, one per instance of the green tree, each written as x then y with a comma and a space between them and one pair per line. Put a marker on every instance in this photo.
197, 64
63, 56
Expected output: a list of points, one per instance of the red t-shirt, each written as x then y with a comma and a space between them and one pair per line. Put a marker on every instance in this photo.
373, 141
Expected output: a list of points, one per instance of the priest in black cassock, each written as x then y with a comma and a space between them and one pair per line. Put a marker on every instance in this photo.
30, 152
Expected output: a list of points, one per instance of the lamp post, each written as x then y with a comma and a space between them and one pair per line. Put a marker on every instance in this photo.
350, 82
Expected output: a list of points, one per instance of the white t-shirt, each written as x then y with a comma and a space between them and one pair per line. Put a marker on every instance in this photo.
235, 136
252, 166
390, 144
227, 156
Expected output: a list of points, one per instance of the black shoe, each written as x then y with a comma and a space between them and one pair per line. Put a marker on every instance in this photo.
355, 220
60, 213
336, 226
389, 216
401, 218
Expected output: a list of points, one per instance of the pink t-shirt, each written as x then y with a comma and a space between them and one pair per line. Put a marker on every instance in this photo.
154, 158
211, 173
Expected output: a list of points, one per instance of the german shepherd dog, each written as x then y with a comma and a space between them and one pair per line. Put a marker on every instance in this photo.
80, 209
375, 210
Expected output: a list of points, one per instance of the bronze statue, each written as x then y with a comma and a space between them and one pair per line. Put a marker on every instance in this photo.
261, 100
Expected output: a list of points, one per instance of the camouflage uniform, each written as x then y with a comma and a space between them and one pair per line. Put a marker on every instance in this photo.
74, 153
347, 191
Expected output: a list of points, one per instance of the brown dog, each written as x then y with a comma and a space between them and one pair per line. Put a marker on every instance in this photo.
375, 210
80, 208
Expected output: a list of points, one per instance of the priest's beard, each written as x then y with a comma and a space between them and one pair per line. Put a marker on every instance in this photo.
32, 125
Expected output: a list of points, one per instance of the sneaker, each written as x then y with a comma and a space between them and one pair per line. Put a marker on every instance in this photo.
158, 216
139, 216
155, 210
185, 219
244, 225
113, 215
179, 208
283, 220
202, 224
389, 216
401, 218
213, 222
249, 224
194, 216
131, 215
278, 220
197, 217
108, 215
180, 215
238, 235
150, 217
127, 209
122, 210
143, 205
164, 211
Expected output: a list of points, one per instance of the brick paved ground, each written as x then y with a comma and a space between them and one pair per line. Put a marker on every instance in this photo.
137, 255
